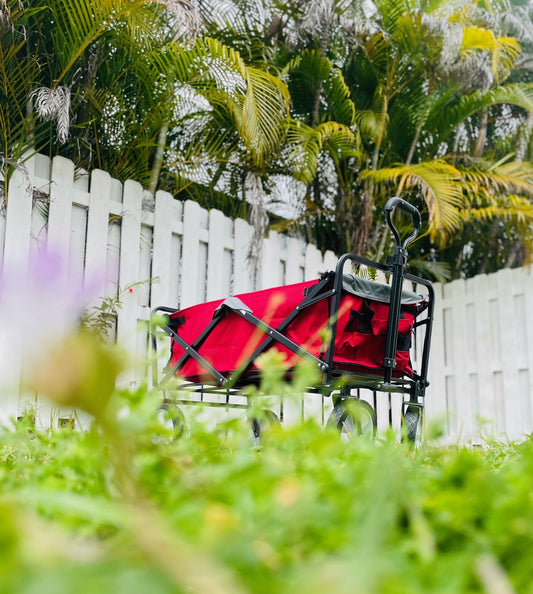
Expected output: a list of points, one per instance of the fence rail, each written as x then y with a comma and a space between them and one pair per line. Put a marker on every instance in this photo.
178, 254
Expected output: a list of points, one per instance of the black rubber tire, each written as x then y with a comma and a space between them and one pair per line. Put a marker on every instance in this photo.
353, 417
410, 421
171, 416
258, 425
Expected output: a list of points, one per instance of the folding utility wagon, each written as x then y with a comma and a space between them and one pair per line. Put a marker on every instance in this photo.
360, 334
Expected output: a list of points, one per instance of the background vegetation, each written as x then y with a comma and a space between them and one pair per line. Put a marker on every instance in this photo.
325, 107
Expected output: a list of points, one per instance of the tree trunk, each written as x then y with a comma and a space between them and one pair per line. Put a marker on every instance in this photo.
158, 158
515, 255
364, 224
482, 136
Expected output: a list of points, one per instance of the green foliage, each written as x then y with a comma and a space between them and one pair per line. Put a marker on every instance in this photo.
101, 318
117, 507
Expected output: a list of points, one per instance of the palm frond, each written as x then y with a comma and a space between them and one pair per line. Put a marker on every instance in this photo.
440, 187
515, 208
307, 143
435, 270
506, 178
257, 100
448, 114
504, 51
80, 23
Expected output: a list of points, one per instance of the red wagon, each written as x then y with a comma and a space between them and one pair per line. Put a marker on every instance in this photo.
358, 332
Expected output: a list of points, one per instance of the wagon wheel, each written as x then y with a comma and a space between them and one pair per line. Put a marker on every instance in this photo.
410, 419
172, 419
353, 417
267, 419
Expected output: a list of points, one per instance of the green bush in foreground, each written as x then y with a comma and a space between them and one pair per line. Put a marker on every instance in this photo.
119, 508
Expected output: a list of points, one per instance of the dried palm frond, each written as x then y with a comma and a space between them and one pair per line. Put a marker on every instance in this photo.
318, 17
54, 104
5, 16
184, 14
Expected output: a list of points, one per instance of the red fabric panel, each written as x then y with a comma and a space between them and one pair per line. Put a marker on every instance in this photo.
233, 339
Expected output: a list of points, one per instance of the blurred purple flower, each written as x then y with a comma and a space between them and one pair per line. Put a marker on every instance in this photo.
39, 306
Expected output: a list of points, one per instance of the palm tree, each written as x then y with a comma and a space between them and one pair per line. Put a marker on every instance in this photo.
110, 80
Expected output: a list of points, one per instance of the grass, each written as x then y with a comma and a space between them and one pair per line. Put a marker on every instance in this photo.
120, 507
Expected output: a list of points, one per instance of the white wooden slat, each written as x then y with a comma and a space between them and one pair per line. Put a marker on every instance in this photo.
459, 357
42, 167
520, 284
97, 231
242, 275
527, 280
435, 403
129, 265
295, 263
484, 365
191, 255
14, 269
272, 271
216, 283
293, 409
162, 249
60, 210
314, 265
330, 261
313, 407
18, 221
509, 356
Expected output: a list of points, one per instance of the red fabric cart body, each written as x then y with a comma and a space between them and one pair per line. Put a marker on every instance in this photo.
360, 334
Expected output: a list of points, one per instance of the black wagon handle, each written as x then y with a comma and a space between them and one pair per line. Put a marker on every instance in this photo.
401, 204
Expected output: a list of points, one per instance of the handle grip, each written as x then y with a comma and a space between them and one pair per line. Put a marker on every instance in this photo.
400, 203
397, 202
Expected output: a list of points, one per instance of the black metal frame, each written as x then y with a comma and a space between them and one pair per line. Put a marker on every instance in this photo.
336, 381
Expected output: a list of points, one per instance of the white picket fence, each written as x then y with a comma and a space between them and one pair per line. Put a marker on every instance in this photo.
178, 254
481, 369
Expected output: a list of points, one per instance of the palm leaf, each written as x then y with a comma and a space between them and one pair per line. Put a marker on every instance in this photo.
512, 207
80, 22
307, 143
447, 114
257, 100
440, 187
506, 178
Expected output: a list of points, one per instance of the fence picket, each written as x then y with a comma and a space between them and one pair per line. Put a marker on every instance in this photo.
216, 272
60, 209
192, 268
97, 230
295, 265
314, 264
162, 249
130, 240
242, 275
272, 266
